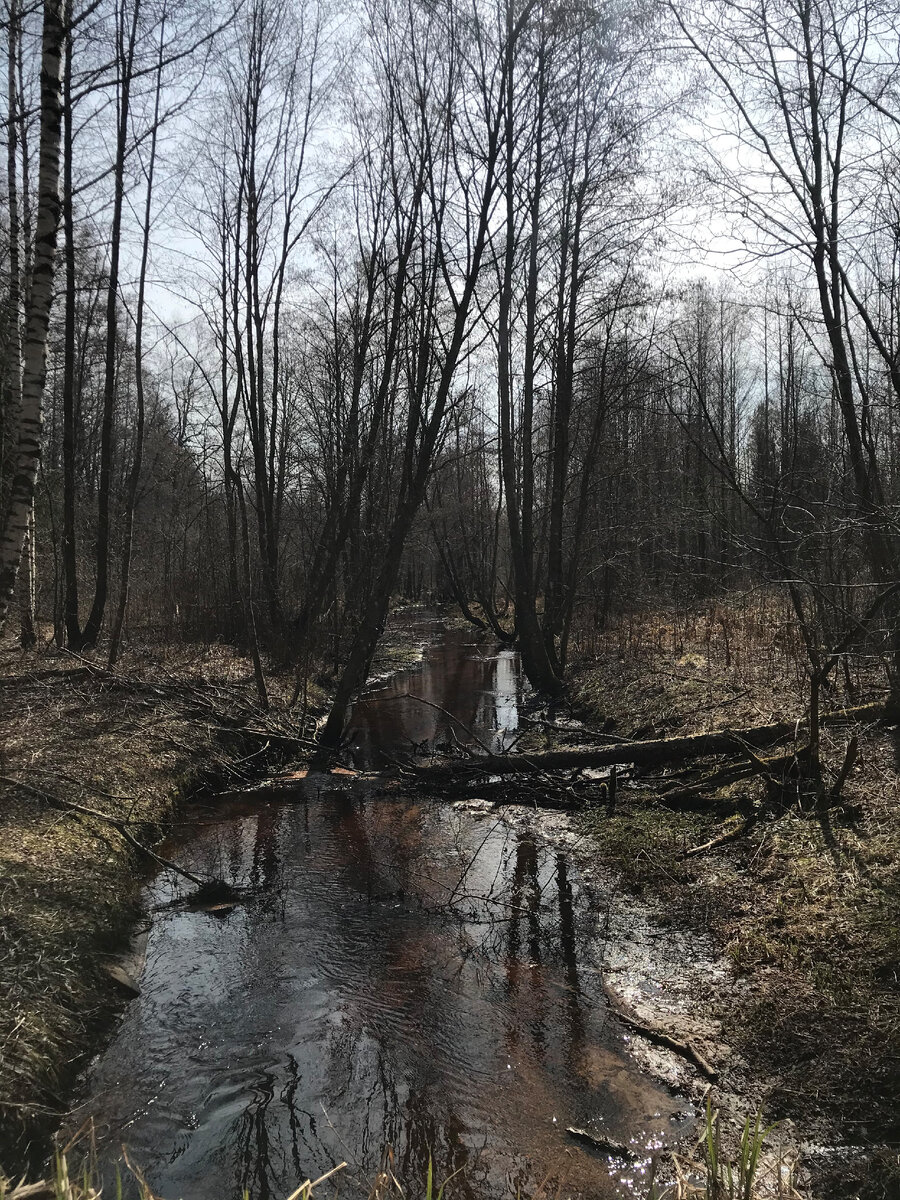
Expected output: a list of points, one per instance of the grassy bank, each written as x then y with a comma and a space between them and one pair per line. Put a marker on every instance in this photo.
805, 903
128, 746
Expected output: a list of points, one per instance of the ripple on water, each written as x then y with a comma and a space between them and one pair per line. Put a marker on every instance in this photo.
401, 975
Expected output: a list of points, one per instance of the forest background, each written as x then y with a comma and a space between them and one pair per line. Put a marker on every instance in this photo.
581, 317
351, 304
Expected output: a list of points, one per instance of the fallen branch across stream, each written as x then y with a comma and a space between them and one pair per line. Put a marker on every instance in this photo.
644, 753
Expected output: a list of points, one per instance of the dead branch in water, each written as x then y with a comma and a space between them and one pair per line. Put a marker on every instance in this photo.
645, 753
659, 1038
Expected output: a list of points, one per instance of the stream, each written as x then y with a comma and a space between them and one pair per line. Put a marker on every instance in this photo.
405, 975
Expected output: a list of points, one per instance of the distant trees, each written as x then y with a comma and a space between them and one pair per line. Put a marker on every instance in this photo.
803, 103
393, 309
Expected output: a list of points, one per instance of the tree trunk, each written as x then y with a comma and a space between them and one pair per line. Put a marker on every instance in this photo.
646, 753
134, 477
27, 588
27, 635
40, 301
69, 442
535, 660
359, 660
125, 51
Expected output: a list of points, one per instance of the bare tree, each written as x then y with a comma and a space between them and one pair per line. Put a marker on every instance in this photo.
134, 475
37, 310
443, 77
794, 77
17, 272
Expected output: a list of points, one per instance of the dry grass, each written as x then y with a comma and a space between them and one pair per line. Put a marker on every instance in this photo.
81, 1182
807, 905
753, 1174
724, 664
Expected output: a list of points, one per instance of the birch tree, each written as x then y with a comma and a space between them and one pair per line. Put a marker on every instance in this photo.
28, 434
18, 272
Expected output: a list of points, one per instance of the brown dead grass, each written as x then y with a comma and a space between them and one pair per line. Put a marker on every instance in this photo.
806, 907
130, 745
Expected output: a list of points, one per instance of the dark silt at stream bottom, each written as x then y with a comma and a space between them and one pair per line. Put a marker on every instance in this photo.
403, 975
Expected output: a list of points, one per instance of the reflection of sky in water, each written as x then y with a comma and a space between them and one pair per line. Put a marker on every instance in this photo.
460, 691
506, 690
401, 976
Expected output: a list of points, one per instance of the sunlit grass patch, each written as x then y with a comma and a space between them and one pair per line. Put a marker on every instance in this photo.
748, 1173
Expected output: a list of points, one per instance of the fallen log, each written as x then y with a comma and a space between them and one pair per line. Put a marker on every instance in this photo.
646, 753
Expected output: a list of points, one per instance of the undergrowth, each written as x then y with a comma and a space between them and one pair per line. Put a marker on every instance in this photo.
716, 1175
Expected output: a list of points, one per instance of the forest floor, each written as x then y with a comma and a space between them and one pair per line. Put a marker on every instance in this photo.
805, 905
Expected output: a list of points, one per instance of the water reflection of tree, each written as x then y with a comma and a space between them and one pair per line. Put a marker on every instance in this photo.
418, 989
524, 979
256, 1171
265, 869
434, 1133
480, 694
568, 942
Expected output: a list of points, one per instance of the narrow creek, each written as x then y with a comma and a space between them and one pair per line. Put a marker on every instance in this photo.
403, 974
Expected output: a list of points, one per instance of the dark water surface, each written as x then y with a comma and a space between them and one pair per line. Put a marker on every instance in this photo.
403, 975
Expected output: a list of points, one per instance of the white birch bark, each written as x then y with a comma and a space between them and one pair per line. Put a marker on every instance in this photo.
14, 529
27, 581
